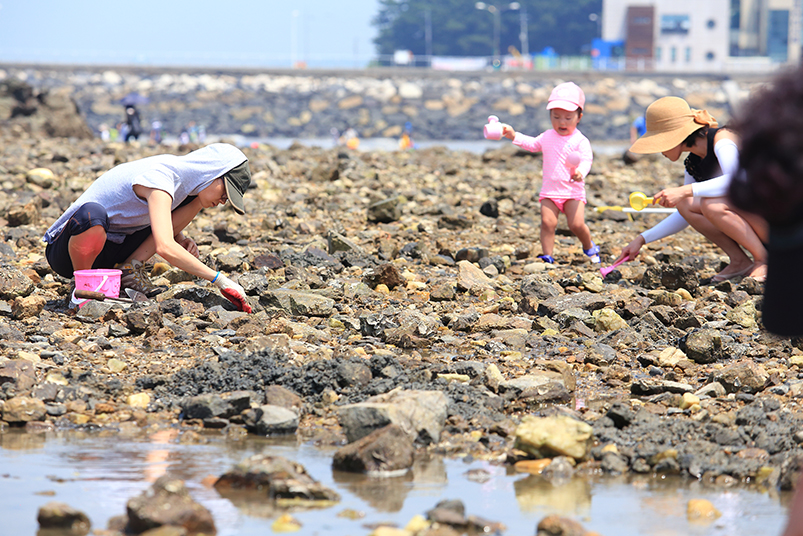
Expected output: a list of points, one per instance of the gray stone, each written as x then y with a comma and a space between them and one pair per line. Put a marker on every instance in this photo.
387, 450
168, 503
276, 420
419, 413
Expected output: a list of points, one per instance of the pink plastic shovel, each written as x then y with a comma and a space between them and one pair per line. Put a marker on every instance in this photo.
605, 270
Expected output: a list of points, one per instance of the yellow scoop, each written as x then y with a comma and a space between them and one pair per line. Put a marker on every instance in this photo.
639, 201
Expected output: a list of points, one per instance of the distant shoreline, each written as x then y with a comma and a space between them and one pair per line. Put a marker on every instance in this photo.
386, 72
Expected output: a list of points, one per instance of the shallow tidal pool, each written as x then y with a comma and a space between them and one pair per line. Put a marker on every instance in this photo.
98, 472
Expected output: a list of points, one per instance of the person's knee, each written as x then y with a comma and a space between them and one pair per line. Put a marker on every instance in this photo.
89, 242
712, 209
578, 227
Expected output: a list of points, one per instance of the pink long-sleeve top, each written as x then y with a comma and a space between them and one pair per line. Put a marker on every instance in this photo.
557, 183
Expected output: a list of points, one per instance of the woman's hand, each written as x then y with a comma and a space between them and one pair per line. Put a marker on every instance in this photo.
188, 244
631, 251
670, 197
508, 132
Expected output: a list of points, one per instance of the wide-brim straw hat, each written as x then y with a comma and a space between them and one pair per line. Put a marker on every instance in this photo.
670, 120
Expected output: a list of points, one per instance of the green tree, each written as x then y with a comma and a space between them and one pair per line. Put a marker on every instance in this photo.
458, 28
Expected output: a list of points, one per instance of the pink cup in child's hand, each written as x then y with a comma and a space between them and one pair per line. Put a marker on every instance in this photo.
493, 130
572, 161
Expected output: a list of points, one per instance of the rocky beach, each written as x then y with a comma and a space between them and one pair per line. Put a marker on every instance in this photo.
399, 309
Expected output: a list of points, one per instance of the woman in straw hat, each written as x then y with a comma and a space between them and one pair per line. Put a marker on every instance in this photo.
673, 128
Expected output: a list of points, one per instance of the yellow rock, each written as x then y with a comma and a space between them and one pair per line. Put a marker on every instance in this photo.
28, 356
533, 467
610, 447
417, 523
286, 523
159, 268
463, 378
701, 510
689, 400
57, 378
139, 400
77, 418
684, 294
115, 365
390, 531
382, 288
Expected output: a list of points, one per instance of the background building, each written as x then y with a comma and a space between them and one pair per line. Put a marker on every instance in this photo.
704, 36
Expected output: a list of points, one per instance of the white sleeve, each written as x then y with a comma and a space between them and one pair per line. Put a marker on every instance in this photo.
671, 224
728, 156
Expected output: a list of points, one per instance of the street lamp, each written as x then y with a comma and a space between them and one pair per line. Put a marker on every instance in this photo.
594, 17
496, 11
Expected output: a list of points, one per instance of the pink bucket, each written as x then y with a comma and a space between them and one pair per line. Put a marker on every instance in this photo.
102, 280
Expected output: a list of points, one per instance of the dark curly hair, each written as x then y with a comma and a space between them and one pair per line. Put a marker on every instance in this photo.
770, 125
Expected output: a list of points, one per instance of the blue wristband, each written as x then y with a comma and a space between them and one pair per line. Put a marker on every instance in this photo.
216, 276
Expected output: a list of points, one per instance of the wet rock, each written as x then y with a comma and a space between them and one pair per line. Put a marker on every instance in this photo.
23, 410
276, 478
63, 517
275, 421
276, 395
452, 513
216, 406
419, 413
168, 503
548, 436
387, 450
555, 525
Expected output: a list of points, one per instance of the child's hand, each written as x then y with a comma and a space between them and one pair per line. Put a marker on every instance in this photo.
508, 132
577, 176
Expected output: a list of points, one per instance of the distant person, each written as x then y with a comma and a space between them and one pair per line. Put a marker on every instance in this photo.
638, 128
140, 208
406, 141
133, 122
156, 131
105, 135
563, 185
673, 128
350, 139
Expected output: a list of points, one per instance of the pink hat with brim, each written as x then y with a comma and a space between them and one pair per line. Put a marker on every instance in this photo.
566, 96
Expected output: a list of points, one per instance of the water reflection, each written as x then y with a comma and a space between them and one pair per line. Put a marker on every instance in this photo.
99, 472
536, 494
19, 440
387, 494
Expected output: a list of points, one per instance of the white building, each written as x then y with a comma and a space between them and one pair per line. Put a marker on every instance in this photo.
704, 35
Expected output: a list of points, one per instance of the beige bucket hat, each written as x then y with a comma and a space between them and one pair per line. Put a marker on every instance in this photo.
670, 120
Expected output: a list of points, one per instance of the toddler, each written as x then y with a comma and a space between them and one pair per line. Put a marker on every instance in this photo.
563, 187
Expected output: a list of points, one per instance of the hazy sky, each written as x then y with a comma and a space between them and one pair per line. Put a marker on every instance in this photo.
251, 33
